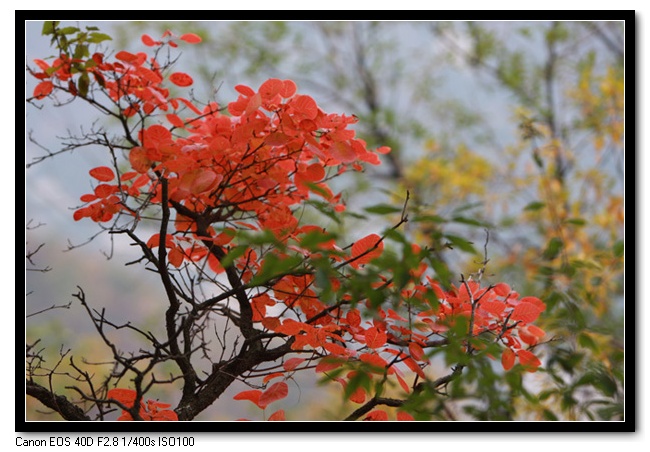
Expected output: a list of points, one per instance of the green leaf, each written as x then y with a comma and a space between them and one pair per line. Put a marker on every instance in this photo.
382, 209
313, 239
274, 266
469, 221
234, 254
442, 272
576, 221
96, 38
534, 206
428, 219
549, 415
81, 51
460, 243
586, 341
553, 248
619, 248
325, 208
68, 30
49, 27
83, 84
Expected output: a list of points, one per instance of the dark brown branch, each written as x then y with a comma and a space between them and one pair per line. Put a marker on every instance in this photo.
369, 405
68, 410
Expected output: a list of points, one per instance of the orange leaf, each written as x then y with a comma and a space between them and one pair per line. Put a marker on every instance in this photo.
277, 391
43, 89
277, 416
181, 79
191, 38
102, 173
383, 150
508, 359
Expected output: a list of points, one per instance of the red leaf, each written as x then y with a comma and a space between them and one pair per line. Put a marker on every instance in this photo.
124, 396
102, 173
200, 180
277, 416
366, 249
125, 56
155, 136
374, 360
277, 391
502, 289
245, 90
536, 331
536, 301
383, 150
88, 198
292, 363
376, 415
165, 415
270, 377
43, 89
329, 363
335, 349
252, 395
416, 352
359, 396
270, 88
528, 360
288, 88
402, 383
375, 338
191, 38
306, 106
148, 41
508, 359
175, 120
525, 312
402, 416
181, 79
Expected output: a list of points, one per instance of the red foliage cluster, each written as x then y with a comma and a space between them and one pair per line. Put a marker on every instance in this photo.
152, 410
249, 169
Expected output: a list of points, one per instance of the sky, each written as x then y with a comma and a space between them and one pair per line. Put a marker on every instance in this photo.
50, 193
